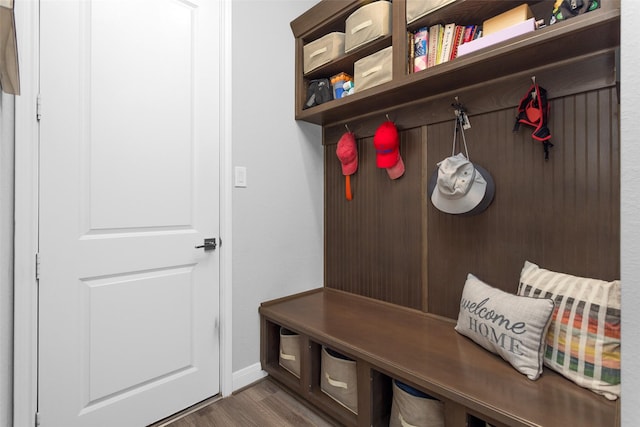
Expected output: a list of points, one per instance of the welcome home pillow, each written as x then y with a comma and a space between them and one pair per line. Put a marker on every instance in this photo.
583, 342
511, 326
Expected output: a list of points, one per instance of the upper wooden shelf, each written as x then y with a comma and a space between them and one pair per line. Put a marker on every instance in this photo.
583, 35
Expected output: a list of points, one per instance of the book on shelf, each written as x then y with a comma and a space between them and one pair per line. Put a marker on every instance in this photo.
471, 33
432, 43
439, 43
468, 33
440, 37
447, 42
420, 49
457, 40
410, 53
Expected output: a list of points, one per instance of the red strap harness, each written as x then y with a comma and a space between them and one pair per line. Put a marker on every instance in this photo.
533, 110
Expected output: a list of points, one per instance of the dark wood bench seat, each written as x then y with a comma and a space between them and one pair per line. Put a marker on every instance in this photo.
390, 341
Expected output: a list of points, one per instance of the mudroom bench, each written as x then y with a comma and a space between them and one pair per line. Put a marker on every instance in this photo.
424, 351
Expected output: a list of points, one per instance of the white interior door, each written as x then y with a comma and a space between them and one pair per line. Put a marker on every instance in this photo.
129, 186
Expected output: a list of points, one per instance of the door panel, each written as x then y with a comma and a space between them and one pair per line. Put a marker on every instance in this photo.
129, 350
156, 65
129, 133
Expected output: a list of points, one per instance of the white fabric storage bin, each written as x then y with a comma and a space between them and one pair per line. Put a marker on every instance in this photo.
290, 351
339, 379
373, 70
366, 24
322, 51
413, 408
416, 9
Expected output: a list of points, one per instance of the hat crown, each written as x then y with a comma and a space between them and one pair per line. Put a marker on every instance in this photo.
346, 150
456, 175
386, 137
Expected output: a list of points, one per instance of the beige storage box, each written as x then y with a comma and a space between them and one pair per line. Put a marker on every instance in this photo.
368, 23
416, 9
411, 407
512, 17
339, 379
290, 351
373, 70
322, 51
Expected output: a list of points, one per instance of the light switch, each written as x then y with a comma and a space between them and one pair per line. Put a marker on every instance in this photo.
240, 176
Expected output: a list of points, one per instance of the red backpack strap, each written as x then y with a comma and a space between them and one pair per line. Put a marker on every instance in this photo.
521, 117
533, 110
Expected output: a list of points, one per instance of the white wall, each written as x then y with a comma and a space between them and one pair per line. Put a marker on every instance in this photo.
278, 218
6, 257
630, 211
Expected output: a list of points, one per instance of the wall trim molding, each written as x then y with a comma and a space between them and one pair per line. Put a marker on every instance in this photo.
247, 376
226, 203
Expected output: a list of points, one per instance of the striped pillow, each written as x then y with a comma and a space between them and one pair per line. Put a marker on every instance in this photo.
583, 341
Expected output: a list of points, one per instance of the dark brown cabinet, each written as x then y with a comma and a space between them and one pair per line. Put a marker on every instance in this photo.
391, 342
585, 34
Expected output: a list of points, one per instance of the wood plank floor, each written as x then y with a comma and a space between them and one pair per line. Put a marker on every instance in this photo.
264, 404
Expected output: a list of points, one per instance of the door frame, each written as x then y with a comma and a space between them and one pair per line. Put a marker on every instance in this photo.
25, 326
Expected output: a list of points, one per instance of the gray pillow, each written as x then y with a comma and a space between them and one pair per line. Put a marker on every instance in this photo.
511, 326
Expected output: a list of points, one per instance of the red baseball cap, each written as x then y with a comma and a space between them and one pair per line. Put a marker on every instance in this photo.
347, 152
387, 144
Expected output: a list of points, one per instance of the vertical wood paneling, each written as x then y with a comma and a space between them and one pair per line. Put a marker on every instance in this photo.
562, 213
373, 242
390, 243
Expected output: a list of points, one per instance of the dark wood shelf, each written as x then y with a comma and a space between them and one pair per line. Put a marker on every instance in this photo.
592, 32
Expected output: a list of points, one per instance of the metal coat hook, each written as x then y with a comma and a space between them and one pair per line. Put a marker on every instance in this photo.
347, 127
533, 93
461, 114
458, 106
388, 117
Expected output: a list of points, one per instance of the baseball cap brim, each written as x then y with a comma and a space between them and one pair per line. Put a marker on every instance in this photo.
397, 170
350, 167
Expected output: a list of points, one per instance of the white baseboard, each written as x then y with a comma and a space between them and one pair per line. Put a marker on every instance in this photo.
248, 375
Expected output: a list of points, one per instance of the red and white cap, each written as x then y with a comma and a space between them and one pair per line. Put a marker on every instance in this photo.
387, 144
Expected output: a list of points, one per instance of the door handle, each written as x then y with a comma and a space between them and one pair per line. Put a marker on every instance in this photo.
210, 244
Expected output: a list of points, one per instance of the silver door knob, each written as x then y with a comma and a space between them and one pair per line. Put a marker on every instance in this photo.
209, 244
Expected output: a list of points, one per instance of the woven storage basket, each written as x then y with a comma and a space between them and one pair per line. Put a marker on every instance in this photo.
373, 70
416, 9
290, 351
413, 408
339, 379
322, 51
368, 23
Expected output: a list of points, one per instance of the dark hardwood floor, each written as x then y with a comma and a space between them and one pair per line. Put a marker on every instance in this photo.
263, 404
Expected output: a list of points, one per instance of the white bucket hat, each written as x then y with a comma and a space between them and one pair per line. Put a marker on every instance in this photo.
458, 186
